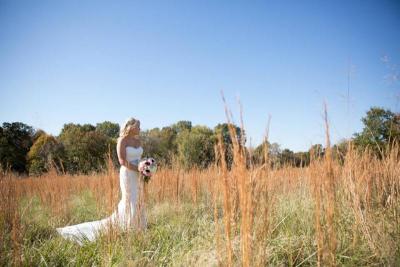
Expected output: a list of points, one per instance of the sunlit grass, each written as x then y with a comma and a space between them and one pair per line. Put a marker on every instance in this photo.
188, 217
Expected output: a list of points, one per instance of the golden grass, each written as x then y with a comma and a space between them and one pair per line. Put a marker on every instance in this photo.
355, 205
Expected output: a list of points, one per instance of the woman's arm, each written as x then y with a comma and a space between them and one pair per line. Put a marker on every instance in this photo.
121, 152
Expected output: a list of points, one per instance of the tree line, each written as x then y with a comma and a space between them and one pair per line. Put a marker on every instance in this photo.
87, 148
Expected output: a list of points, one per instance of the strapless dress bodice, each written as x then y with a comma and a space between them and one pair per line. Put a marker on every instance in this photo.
133, 153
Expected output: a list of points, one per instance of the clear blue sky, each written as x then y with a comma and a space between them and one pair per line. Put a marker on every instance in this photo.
164, 61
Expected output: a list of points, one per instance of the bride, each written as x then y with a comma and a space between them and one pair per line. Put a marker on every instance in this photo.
131, 210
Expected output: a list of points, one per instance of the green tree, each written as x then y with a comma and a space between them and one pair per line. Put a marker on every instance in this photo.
159, 144
108, 128
150, 143
287, 157
258, 154
301, 159
38, 133
316, 151
381, 130
85, 148
15, 141
45, 153
274, 152
223, 129
196, 147
182, 126
73, 126
168, 145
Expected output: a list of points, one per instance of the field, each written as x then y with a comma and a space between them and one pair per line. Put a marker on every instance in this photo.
329, 213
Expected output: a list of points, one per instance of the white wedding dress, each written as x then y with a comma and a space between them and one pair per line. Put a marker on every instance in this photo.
127, 214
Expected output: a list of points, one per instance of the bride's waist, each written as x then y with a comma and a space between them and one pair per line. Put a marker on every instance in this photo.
129, 170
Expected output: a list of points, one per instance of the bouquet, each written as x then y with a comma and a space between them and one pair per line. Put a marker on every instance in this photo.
147, 167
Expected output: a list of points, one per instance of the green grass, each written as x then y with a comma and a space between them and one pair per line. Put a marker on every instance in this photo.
177, 235
184, 235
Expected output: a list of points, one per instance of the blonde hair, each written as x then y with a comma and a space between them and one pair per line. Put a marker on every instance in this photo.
129, 123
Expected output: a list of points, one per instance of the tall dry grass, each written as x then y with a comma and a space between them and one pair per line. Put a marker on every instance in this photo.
338, 192
330, 213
